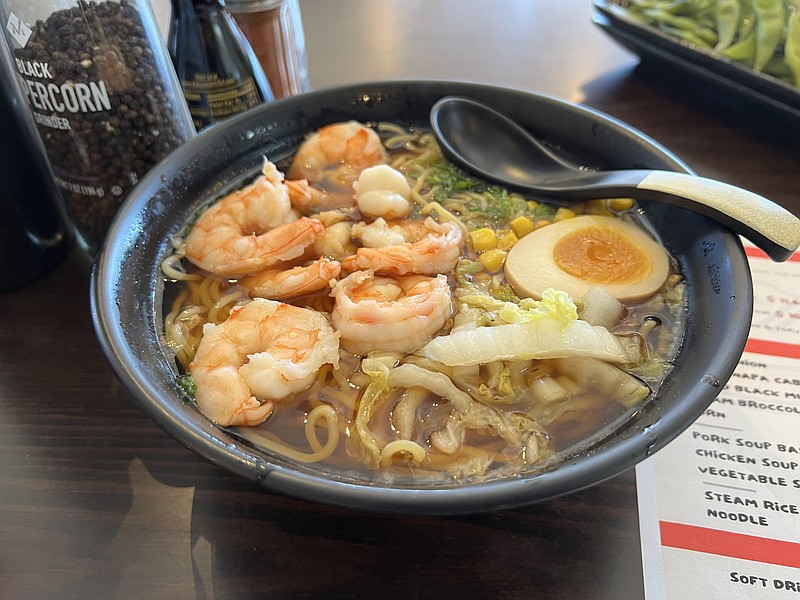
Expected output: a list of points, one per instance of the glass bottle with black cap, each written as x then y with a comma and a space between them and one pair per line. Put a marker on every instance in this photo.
218, 70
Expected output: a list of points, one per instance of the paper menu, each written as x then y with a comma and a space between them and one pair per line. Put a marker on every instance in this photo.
719, 507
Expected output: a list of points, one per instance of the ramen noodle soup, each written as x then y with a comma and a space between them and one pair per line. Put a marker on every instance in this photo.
368, 307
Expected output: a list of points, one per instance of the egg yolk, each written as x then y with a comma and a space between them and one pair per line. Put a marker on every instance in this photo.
601, 255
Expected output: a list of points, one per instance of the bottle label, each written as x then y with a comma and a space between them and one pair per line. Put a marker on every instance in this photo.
51, 100
212, 98
18, 30
46, 97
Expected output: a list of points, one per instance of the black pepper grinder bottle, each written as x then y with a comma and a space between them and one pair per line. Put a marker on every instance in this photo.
218, 70
104, 97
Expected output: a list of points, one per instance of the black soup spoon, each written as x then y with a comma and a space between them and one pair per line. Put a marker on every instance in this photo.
491, 146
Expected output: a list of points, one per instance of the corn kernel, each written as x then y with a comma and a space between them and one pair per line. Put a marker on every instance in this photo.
521, 226
493, 259
595, 204
507, 241
532, 204
597, 207
542, 223
562, 214
483, 239
620, 204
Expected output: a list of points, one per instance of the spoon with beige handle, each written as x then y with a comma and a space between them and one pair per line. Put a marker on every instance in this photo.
491, 146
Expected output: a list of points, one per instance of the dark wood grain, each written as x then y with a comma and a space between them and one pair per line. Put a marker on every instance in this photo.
97, 502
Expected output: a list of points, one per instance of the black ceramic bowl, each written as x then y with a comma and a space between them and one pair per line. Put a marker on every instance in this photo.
127, 289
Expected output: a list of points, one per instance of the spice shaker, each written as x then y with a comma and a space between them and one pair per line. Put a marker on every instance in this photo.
219, 73
275, 31
34, 235
104, 97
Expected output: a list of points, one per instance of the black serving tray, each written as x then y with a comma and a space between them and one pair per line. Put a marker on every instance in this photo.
752, 90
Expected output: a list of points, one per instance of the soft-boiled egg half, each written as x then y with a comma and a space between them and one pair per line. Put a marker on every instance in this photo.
587, 251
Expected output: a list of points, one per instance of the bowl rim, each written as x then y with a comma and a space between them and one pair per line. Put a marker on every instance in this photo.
276, 474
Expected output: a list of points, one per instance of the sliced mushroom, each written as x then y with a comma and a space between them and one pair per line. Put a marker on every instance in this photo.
449, 438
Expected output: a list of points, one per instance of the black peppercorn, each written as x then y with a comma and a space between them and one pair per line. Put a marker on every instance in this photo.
98, 92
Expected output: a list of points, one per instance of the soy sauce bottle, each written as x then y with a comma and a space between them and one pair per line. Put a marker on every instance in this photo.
218, 70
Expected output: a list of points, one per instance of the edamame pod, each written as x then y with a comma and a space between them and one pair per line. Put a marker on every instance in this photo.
792, 47
769, 30
727, 19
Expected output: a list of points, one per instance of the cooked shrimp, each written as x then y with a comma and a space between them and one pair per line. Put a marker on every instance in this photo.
330, 161
437, 251
308, 199
394, 314
283, 284
382, 191
381, 233
264, 352
336, 242
250, 229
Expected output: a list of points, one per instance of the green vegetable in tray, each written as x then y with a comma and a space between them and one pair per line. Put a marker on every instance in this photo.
761, 34
792, 48
691, 30
744, 50
727, 20
769, 30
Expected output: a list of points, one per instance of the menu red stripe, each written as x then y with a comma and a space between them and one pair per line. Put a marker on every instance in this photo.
772, 348
726, 543
758, 253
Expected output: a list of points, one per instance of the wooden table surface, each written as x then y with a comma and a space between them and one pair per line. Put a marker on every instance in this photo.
97, 502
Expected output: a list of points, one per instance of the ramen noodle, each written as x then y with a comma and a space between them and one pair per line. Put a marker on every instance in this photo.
376, 313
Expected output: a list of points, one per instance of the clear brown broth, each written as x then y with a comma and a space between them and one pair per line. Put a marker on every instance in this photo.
591, 418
